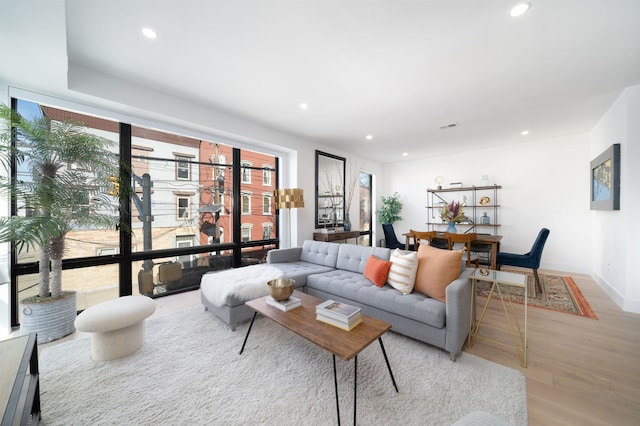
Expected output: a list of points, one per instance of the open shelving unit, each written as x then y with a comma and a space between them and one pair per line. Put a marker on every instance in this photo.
474, 209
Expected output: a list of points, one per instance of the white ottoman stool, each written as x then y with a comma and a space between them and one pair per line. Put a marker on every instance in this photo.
117, 326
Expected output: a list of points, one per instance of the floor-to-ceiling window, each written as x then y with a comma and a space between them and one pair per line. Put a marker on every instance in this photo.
183, 215
81, 242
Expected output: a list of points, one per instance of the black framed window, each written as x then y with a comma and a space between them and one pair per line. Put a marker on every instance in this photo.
184, 208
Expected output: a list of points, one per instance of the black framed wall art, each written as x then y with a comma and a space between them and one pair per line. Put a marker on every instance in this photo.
605, 180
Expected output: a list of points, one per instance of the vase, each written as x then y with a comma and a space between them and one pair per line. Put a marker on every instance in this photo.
452, 228
347, 222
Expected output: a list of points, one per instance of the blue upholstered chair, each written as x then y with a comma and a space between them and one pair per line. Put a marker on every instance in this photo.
390, 239
527, 260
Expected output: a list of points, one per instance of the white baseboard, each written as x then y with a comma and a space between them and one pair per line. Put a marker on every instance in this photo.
626, 304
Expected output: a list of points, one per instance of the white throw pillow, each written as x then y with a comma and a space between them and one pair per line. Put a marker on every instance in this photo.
402, 274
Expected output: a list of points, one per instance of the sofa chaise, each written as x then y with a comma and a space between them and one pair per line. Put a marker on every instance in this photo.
335, 271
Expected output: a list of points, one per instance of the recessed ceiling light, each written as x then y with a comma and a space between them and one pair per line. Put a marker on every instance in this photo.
405, 154
304, 106
524, 132
149, 33
369, 137
519, 9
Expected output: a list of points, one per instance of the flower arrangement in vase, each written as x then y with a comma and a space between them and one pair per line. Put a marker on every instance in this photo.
452, 213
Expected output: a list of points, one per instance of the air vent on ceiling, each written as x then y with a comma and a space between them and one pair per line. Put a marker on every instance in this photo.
448, 126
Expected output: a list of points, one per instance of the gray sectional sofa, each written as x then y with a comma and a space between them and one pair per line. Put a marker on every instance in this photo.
334, 271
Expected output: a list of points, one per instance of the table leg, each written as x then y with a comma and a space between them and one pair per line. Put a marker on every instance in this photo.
355, 387
494, 255
472, 316
386, 359
518, 337
34, 370
484, 310
335, 382
248, 331
526, 304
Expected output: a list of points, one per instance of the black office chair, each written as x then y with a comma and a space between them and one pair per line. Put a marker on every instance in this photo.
527, 260
482, 250
390, 239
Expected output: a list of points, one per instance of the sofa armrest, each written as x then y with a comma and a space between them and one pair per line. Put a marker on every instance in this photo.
458, 311
284, 255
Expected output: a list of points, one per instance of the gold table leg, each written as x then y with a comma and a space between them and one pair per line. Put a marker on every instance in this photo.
519, 338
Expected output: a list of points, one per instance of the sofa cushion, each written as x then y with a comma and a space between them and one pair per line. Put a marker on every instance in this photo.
437, 268
359, 291
354, 258
298, 271
402, 274
377, 270
284, 255
320, 253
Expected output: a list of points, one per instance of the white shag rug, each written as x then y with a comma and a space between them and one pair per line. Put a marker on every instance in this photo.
189, 372
246, 283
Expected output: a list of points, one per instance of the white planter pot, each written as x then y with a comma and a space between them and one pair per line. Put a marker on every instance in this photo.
50, 320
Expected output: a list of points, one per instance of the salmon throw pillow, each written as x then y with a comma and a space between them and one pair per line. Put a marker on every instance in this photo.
437, 268
376, 270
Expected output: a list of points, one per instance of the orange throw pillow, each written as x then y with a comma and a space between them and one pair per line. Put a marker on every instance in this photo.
437, 268
376, 270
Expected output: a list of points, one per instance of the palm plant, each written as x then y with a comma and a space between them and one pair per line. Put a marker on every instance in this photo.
65, 188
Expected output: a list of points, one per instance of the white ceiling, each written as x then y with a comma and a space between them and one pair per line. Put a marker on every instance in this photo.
395, 69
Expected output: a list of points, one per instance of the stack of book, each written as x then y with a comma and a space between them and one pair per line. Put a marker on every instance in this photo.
286, 305
339, 314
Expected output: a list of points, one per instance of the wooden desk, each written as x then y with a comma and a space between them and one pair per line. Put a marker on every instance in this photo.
494, 240
336, 236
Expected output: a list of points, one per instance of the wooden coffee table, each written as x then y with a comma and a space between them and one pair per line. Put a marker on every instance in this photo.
341, 343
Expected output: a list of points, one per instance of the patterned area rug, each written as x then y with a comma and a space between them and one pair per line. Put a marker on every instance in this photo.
563, 295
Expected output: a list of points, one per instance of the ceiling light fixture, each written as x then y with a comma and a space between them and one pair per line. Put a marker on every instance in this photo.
405, 154
519, 9
369, 137
149, 33
524, 132
304, 106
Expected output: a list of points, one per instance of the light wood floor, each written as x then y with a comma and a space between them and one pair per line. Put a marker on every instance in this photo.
580, 371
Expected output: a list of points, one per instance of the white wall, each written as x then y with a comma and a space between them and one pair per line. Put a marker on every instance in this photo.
545, 183
614, 249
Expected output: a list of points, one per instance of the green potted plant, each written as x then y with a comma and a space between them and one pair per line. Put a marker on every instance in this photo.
64, 186
390, 210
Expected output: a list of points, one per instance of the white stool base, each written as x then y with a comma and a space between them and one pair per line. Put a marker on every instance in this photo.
118, 343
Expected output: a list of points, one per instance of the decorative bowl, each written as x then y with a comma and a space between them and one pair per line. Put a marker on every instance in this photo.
484, 200
281, 288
